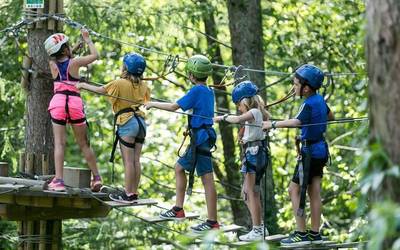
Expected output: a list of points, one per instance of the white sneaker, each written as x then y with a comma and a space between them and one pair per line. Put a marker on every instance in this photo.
253, 235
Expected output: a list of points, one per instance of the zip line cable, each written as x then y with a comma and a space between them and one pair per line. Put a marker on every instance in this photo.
75, 24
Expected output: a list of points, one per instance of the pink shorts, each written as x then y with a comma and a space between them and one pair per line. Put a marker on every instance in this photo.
59, 114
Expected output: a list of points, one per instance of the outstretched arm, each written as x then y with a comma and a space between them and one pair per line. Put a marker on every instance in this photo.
248, 116
97, 89
162, 105
291, 123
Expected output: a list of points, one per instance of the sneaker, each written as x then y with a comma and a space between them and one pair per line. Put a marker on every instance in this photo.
296, 239
123, 197
56, 185
172, 214
315, 238
205, 226
253, 235
96, 184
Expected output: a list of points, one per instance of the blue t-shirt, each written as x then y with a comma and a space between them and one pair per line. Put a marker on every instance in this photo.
314, 110
200, 99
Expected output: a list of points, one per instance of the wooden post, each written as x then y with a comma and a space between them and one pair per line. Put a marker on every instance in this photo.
42, 230
56, 237
4, 169
45, 164
60, 10
39, 25
51, 24
21, 167
26, 64
29, 233
29, 163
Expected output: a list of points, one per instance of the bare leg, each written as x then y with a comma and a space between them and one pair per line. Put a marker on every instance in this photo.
254, 202
127, 158
59, 132
137, 168
211, 195
314, 191
294, 193
180, 181
80, 132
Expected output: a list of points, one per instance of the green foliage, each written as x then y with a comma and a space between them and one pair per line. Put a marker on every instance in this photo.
326, 33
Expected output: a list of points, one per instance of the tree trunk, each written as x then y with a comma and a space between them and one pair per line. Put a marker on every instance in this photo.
232, 177
383, 53
245, 25
39, 133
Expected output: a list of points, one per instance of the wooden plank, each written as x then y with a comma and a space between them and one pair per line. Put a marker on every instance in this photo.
225, 229
155, 219
27, 182
7, 199
29, 231
231, 228
3, 169
140, 202
42, 202
45, 164
42, 232
18, 213
21, 167
29, 163
323, 245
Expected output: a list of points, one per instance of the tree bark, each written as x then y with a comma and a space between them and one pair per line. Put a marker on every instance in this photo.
245, 25
232, 176
39, 133
383, 62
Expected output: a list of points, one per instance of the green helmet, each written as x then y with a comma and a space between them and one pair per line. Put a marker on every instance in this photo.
199, 66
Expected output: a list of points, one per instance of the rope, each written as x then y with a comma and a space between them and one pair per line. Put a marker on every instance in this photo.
75, 24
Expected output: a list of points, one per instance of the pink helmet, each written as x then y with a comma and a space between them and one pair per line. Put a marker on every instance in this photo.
54, 42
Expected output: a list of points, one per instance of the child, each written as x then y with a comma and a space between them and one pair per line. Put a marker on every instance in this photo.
66, 106
200, 99
314, 153
251, 107
130, 120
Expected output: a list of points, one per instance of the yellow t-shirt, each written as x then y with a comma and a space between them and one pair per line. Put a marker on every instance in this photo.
138, 93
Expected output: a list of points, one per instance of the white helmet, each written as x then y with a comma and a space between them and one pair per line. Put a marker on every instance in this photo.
54, 42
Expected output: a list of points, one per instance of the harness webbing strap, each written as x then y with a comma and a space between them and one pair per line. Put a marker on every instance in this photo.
117, 138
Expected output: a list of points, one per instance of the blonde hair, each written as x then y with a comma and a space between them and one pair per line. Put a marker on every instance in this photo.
135, 80
256, 102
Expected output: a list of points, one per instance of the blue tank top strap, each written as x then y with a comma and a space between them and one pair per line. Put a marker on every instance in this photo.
63, 72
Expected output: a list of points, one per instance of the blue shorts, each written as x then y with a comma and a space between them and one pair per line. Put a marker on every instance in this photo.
131, 127
259, 158
203, 162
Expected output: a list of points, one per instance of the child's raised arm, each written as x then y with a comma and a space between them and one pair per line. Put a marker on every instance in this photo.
248, 116
85, 60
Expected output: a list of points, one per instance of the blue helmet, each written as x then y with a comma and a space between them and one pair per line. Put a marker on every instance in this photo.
243, 90
134, 63
312, 74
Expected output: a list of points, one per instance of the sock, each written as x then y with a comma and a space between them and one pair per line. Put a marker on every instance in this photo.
212, 222
96, 178
128, 194
177, 209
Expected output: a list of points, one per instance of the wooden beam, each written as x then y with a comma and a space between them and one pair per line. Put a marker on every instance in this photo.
156, 219
140, 202
4, 169
42, 233
18, 213
26, 182
45, 164
57, 233
29, 163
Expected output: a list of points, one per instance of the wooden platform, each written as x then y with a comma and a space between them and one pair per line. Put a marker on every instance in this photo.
155, 219
270, 238
140, 202
225, 229
327, 245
